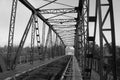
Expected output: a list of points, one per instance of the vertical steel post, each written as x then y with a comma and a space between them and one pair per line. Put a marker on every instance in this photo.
113, 40
87, 54
11, 33
51, 44
37, 34
43, 40
108, 68
32, 42
46, 45
56, 46
101, 41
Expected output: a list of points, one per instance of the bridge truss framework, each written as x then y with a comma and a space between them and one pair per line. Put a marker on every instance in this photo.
75, 34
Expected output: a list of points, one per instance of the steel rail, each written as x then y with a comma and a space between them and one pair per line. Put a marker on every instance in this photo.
63, 75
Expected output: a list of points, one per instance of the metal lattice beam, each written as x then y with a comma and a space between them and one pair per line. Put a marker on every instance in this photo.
61, 20
32, 42
11, 32
35, 19
56, 11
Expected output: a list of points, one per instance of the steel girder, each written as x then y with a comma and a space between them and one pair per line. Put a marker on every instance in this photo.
32, 43
87, 39
47, 44
56, 45
107, 69
35, 21
43, 40
50, 43
65, 35
68, 39
61, 31
55, 11
81, 42
61, 21
11, 33
63, 25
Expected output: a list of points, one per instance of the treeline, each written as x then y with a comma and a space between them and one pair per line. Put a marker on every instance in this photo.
27, 54
107, 53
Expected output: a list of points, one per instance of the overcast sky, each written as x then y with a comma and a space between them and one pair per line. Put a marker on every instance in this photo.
23, 15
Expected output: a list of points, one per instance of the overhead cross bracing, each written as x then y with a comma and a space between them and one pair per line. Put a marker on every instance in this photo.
56, 11
63, 21
64, 16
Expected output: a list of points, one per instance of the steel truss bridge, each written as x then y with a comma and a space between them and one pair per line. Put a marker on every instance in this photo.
67, 26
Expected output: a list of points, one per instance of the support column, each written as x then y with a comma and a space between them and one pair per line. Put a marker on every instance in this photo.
107, 68
11, 34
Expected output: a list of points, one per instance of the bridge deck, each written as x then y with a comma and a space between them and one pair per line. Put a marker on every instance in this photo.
76, 70
28, 67
22, 68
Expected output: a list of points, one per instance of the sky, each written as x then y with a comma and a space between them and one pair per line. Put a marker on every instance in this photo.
23, 15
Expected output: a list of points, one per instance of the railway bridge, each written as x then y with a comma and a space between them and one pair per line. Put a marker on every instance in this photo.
84, 28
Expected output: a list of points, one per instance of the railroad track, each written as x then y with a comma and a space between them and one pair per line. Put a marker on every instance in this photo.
55, 70
68, 71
